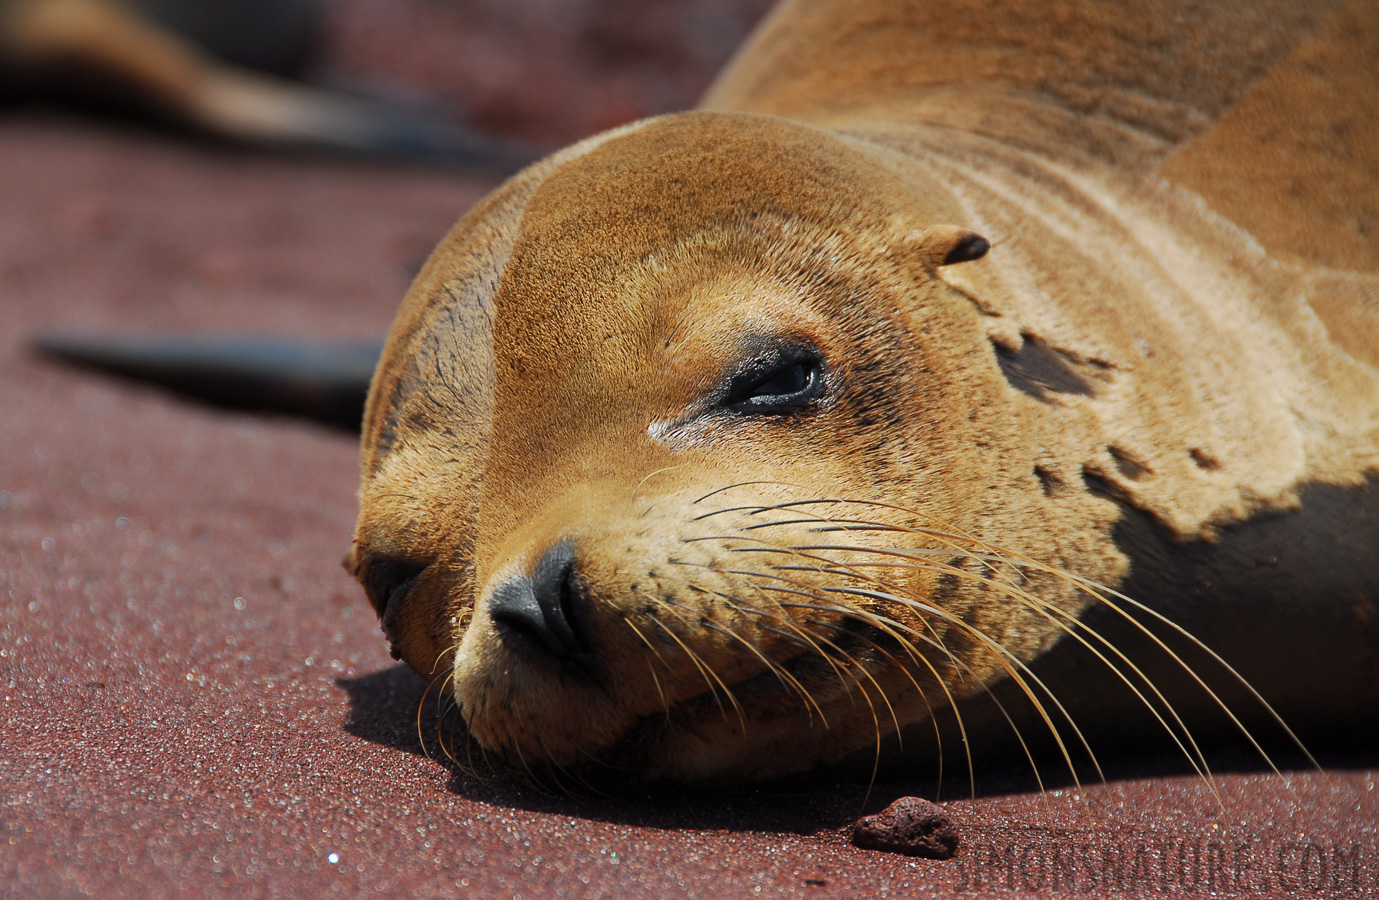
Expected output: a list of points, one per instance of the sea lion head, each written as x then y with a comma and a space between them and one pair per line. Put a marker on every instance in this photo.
681, 456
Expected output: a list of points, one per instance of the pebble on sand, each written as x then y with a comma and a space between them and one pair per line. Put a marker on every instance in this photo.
910, 826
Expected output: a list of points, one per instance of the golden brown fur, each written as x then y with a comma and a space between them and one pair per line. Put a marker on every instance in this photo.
1163, 379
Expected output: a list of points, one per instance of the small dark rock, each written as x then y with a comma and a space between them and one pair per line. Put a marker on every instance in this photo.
910, 826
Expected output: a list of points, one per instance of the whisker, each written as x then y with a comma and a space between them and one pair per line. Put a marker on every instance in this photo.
443, 678
802, 638
1003, 657
706, 671
1094, 589
1196, 757
1054, 615
652, 669
787, 680
1099, 592
993, 649
938, 735
742, 484
1049, 611
822, 529
755, 509
440, 731
986, 645
785, 620
936, 642
876, 721
531, 778
553, 772
884, 624
651, 475
574, 774
421, 705
997, 652
956, 554
762, 546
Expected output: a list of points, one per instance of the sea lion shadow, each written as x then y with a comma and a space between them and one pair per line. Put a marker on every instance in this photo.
394, 708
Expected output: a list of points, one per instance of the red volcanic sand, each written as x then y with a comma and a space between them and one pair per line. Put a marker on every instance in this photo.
194, 697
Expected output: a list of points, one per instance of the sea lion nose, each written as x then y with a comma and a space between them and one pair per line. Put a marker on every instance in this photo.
538, 612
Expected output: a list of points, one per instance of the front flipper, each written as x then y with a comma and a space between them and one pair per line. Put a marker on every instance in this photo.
322, 380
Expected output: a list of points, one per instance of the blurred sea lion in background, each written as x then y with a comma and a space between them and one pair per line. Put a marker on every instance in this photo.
220, 67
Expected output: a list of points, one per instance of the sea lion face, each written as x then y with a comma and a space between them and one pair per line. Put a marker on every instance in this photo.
669, 461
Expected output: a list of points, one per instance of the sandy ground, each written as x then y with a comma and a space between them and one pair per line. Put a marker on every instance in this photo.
194, 697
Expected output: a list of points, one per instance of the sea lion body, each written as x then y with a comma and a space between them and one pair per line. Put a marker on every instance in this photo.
716, 446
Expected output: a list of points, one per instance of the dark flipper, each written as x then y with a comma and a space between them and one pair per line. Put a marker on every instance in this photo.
322, 380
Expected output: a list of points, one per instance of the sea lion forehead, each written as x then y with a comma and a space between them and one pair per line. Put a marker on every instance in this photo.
674, 172
671, 179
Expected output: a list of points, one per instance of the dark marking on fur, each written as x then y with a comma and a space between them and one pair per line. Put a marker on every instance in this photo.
1101, 486
1040, 370
1204, 459
1052, 483
1128, 465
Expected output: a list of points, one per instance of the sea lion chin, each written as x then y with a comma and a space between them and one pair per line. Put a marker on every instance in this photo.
722, 446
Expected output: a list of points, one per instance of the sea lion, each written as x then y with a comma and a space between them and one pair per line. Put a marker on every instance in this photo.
946, 352
220, 68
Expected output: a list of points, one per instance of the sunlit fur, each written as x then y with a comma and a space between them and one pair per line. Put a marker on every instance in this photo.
1127, 390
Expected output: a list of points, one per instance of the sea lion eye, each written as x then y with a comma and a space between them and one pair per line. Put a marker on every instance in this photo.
777, 384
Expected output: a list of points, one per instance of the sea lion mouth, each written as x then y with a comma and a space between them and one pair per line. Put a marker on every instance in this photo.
834, 668
783, 680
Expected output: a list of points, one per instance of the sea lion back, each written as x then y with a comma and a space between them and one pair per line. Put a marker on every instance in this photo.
1268, 110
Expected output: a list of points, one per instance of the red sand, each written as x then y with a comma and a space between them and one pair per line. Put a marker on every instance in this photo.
195, 699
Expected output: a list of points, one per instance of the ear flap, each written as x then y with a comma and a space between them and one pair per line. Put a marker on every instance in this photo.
945, 245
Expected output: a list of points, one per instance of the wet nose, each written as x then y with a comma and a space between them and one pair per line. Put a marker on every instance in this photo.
539, 613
